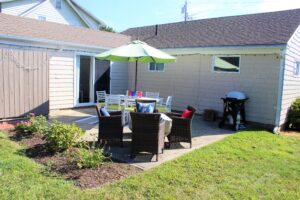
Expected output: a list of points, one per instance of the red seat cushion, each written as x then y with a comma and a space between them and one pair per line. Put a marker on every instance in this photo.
187, 113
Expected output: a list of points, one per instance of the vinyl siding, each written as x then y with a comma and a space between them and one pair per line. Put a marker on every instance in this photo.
61, 80
65, 15
291, 83
18, 7
92, 23
191, 81
119, 77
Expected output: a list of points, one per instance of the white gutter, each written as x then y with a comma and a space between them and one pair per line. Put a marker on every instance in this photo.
247, 49
280, 89
53, 43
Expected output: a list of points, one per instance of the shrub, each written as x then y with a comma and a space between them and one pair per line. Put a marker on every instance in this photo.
39, 124
61, 136
35, 124
23, 126
86, 156
294, 115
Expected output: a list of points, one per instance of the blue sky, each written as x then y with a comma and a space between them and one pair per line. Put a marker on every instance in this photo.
123, 14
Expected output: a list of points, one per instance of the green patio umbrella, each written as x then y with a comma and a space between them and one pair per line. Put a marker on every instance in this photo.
136, 51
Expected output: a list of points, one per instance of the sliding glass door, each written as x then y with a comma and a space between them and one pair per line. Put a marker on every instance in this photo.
91, 75
84, 93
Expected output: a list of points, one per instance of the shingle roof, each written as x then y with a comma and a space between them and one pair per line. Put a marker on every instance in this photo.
31, 28
254, 29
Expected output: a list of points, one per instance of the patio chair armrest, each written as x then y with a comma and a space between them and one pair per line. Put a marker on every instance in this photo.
172, 114
114, 113
180, 121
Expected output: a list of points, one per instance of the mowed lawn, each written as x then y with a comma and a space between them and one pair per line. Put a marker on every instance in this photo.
246, 165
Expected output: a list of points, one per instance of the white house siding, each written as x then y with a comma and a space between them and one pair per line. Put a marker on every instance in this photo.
291, 83
118, 77
61, 80
191, 81
92, 23
18, 7
65, 15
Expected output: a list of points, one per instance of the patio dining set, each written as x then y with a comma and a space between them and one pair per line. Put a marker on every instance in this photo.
149, 125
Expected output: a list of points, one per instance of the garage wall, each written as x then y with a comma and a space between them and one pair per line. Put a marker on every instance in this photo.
291, 82
190, 80
61, 80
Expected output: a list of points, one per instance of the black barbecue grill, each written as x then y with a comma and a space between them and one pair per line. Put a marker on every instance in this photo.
234, 109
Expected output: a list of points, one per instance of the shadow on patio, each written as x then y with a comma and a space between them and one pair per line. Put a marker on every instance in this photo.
204, 133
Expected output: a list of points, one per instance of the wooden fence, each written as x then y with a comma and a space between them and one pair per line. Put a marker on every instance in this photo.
24, 82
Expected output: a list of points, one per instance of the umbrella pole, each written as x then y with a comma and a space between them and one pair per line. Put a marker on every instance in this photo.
135, 84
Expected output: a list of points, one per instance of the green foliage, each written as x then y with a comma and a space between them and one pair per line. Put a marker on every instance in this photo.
107, 29
39, 124
36, 124
23, 127
61, 136
85, 156
294, 115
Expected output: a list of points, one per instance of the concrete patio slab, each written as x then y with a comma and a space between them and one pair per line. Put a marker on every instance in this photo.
204, 133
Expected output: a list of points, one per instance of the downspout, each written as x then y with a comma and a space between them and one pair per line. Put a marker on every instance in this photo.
280, 89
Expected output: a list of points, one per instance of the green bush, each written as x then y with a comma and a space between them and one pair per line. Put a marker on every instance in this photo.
23, 126
294, 115
39, 124
35, 124
86, 157
61, 136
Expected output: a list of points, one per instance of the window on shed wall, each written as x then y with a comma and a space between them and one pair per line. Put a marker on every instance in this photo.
297, 68
226, 64
156, 67
58, 4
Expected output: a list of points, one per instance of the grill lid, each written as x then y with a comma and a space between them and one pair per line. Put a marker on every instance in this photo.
236, 95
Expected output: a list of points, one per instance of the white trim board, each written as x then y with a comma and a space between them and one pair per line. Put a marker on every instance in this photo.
239, 50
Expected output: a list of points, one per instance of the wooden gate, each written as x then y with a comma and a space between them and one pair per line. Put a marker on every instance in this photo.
24, 85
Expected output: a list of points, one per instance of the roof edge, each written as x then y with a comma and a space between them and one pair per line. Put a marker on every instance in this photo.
88, 13
58, 44
238, 49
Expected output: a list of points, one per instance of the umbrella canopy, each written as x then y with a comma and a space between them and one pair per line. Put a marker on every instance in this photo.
136, 51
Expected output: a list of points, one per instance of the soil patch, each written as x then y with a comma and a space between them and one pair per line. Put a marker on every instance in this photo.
57, 162
290, 133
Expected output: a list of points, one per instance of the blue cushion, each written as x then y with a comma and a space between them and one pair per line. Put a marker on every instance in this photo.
145, 107
104, 112
133, 93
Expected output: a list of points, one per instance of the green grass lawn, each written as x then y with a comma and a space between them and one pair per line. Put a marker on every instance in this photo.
246, 165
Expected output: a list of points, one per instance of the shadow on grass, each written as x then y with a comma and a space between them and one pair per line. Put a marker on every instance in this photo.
18, 136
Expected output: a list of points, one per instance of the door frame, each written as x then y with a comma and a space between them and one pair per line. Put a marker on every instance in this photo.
77, 78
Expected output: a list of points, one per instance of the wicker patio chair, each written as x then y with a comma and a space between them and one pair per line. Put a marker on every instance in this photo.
110, 128
147, 133
181, 130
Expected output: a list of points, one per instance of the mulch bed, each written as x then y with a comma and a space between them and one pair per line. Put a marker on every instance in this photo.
290, 133
57, 162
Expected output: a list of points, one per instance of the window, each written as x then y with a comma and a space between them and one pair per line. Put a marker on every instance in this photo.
156, 67
41, 17
58, 4
297, 68
226, 64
